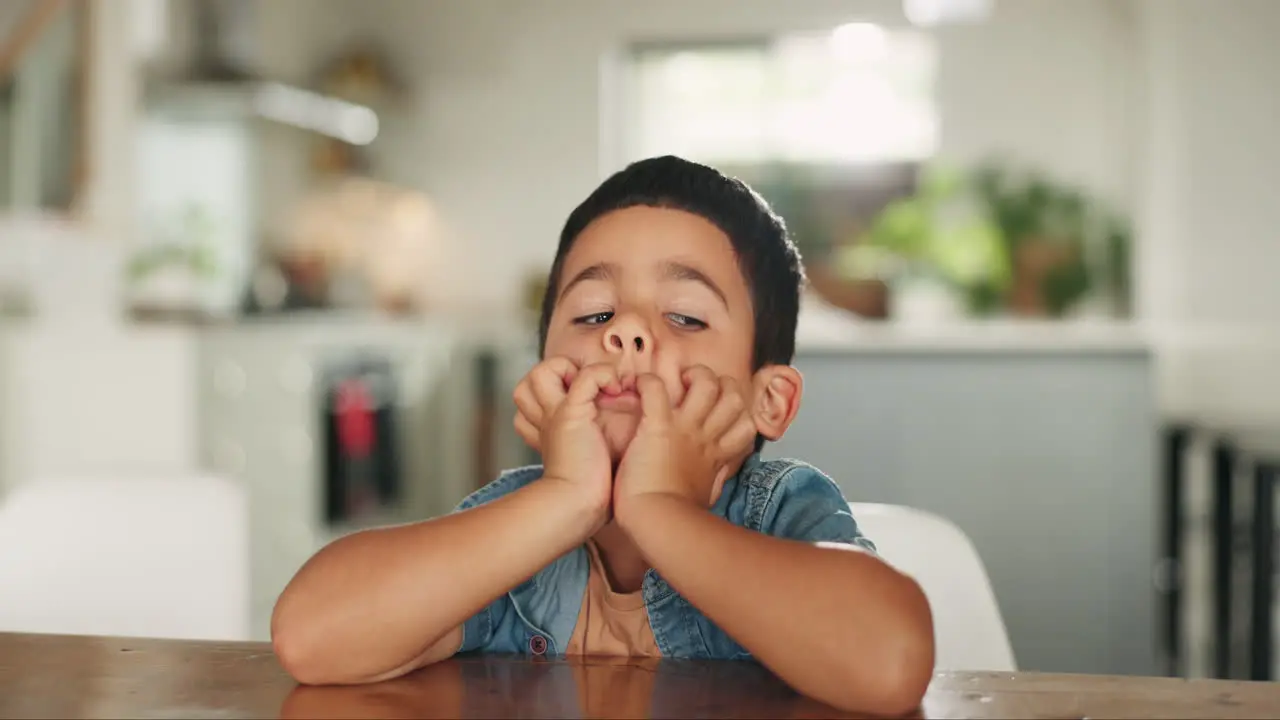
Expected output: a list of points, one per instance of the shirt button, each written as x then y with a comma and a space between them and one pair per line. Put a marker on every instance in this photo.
537, 645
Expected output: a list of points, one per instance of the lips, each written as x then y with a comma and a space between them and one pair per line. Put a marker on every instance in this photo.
625, 400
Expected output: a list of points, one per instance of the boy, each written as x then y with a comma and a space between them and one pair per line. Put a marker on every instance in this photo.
653, 528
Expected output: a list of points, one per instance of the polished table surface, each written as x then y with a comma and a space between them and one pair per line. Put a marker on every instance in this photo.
43, 676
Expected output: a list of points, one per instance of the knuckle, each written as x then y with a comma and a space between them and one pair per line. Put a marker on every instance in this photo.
553, 368
702, 372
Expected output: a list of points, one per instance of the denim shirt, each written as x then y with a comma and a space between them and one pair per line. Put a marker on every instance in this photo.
783, 498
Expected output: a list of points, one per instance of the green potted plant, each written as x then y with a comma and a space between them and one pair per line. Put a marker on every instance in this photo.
1044, 227
936, 236
1014, 242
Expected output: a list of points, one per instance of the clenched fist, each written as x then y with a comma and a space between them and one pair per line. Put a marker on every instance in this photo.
557, 415
686, 450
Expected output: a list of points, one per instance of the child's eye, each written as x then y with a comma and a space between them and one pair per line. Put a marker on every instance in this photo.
686, 322
599, 318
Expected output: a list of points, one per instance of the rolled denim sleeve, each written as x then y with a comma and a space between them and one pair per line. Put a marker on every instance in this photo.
479, 631
807, 505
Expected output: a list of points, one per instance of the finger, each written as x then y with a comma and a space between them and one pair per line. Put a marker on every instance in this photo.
740, 438
590, 381
550, 382
527, 432
729, 408
654, 401
563, 368
704, 390
528, 404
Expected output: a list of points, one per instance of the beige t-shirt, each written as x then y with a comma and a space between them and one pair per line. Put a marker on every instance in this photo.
611, 623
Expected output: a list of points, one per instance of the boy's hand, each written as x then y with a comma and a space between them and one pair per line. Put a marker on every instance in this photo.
686, 451
538, 395
572, 445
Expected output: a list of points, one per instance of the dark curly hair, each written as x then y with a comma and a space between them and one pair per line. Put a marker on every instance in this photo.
768, 259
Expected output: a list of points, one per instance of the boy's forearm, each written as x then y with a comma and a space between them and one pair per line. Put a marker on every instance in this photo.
835, 623
373, 601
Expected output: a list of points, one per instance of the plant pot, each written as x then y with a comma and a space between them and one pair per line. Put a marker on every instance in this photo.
1034, 259
867, 298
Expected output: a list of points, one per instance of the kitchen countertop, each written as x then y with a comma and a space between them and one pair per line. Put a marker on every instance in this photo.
978, 337
821, 329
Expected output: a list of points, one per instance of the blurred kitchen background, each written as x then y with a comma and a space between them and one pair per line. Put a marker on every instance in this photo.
268, 271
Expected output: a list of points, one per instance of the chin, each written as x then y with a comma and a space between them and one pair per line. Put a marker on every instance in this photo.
618, 431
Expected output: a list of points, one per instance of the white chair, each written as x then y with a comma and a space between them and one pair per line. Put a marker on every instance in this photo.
968, 629
122, 556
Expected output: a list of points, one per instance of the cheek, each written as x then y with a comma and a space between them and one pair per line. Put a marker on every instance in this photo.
576, 346
722, 357
669, 366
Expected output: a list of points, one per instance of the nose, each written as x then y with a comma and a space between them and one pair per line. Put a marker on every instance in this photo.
629, 338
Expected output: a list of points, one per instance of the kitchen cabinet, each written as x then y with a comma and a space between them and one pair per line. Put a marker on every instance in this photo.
1045, 454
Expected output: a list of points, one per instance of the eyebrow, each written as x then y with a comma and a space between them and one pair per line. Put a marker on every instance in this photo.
685, 273
599, 271
672, 271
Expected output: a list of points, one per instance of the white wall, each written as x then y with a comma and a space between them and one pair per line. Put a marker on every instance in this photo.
1207, 272
1216, 107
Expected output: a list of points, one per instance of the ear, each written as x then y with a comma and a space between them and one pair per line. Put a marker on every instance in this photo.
776, 392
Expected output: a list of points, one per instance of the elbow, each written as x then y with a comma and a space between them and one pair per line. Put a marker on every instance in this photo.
904, 685
898, 686
298, 655
904, 662
910, 655
302, 650
311, 656
295, 662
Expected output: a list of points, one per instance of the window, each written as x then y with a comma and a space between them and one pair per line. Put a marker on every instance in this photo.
859, 94
829, 127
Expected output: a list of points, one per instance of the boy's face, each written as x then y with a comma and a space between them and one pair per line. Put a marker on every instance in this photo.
652, 290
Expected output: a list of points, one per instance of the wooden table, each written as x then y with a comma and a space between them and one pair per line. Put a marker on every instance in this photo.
46, 676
